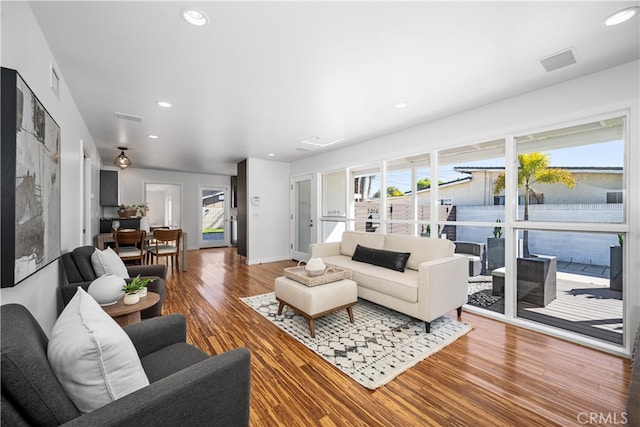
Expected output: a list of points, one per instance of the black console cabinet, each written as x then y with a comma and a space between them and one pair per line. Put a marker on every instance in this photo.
105, 224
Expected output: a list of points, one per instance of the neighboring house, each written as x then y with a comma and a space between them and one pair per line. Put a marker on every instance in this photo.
593, 185
596, 197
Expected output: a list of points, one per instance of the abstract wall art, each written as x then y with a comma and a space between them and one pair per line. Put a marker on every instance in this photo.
30, 207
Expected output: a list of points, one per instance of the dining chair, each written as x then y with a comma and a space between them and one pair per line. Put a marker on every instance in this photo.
152, 241
135, 245
167, 244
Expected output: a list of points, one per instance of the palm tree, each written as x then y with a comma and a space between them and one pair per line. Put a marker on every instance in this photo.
534, 168
424, 183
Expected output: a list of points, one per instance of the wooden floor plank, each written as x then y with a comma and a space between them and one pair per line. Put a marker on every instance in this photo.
497, 375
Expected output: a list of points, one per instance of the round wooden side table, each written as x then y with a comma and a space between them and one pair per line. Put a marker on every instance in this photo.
130, 314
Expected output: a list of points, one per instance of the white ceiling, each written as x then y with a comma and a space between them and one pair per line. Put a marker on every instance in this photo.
264, 76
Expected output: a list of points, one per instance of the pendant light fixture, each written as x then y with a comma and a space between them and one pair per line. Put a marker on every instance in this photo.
122, 161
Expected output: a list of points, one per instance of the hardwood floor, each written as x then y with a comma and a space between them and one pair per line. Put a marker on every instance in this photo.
497, 375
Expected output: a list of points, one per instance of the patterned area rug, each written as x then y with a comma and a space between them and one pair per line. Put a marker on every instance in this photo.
381, 344
480, 292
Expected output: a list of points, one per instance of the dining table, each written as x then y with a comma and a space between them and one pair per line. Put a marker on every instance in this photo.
104, 238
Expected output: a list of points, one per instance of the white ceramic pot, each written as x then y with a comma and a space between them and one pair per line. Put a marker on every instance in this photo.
107, 289
130, 299
142, 292
315, 267
144, 224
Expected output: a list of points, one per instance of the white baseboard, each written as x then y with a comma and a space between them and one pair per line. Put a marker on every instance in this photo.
286, 257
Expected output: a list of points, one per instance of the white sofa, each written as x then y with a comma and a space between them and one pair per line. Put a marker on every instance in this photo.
433, 283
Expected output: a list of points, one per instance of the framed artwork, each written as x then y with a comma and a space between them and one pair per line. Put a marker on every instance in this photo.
30, 207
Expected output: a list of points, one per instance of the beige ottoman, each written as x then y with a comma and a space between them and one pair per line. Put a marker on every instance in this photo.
316, 301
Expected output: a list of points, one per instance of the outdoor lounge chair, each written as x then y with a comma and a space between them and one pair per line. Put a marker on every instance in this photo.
536, 279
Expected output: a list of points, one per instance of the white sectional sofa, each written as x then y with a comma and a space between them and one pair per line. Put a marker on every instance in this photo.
433, 283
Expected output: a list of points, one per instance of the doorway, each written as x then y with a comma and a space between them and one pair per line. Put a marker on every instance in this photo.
303, 231
164, 202
212, 219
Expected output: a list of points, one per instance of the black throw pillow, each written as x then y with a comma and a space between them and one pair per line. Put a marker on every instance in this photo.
388, 259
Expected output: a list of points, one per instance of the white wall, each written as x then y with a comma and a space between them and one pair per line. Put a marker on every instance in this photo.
24, 48
268, 224
132, 192
611, 91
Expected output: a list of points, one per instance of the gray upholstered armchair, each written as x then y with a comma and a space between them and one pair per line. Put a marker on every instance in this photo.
187, 387
79, 270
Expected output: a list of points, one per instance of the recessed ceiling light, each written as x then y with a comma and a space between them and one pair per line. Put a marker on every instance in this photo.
194, 17
399, 105
164, 104
621, 16
271, 155
152, 136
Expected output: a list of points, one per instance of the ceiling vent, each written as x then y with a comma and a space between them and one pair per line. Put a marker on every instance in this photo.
559, 60
131, 117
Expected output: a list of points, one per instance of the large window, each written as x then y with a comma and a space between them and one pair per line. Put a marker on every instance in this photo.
466, 176
541, 216
572, 281
334, 205
334, 200
567, 178
572, 174
400, 212
365, 196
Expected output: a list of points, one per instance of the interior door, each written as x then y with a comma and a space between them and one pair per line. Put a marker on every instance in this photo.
303, 231
213, 213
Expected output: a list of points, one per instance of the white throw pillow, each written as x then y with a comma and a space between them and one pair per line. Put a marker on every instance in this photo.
92, 357
108, 262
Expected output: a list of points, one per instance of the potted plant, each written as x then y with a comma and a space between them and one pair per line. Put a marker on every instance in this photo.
133, 290
615, 265
426, 232
127, 211
143, 209
495, 248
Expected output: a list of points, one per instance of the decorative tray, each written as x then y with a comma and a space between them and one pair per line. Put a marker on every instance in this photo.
299, 274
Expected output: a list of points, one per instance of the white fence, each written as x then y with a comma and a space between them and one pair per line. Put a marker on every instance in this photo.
587, 248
